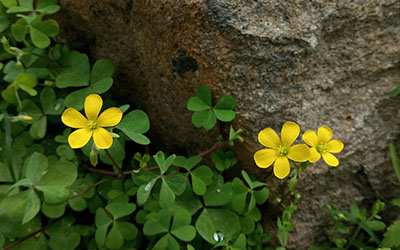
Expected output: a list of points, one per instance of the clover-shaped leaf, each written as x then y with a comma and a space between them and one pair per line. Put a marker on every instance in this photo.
180, 228
223, 160
134, 125
162, 162
205, 114
77, 75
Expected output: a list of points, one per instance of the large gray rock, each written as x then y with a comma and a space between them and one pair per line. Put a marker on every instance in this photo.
320, 62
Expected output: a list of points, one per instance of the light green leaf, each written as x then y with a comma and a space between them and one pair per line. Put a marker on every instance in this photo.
39, 39
163, 163
224, 115
101, 218
177, 183
227, 102
32, 206
376, 225
117, 151
100, 235
9, 94
167, 242
218, 193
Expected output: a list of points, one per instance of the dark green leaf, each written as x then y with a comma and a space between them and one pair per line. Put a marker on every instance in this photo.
177, 183
196, 104
102, 69
63, 174
204, 119
203, 92
217, 224
18, 30
391, 237
9, 3
48, 27
76, 76
54, 195
32, 206
167, 197
145, 190
36, 167
76, 98
128, 230
4, 23
119, 209
38, 128
185, 233
153, 227
54, 211
115, 240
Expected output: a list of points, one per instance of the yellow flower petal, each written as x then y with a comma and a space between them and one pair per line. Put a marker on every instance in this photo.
281, 167
110, 117
334, 146
330, 159
314, 155
93, 104
268, 138
311, 138
73, 118
290, 132
324, 134
79, 137
102, 138
299, 152
265, 157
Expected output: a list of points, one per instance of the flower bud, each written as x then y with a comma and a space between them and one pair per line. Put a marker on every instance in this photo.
20, 118
114, 135
94, 159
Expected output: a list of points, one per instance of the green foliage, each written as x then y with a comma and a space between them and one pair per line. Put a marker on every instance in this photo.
206, 114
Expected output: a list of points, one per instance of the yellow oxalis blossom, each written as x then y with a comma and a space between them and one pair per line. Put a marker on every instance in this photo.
322, 145
281, 150
92, 124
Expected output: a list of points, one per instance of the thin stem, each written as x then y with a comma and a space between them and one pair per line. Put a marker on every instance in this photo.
102, 171
30, 235
212, 149
44, 59
115, 164
353, 237
93, 186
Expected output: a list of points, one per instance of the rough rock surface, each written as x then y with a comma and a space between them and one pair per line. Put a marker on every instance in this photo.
317, 63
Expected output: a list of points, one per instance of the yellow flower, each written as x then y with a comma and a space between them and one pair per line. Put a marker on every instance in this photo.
322, 144
92, 125
280, 151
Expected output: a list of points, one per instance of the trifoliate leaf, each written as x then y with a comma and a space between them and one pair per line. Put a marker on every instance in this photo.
153, 227
185, 233
196, 104
48, 27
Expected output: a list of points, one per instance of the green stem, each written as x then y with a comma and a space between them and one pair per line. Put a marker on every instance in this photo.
356, 234
44, 59
93, 186
7, 128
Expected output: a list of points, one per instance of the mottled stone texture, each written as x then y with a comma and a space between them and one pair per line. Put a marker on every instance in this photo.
316, 63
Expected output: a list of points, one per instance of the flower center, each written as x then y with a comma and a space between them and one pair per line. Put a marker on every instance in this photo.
283, 151
92, 124
321, 147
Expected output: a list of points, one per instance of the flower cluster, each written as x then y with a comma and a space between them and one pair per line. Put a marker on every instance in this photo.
280, 150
